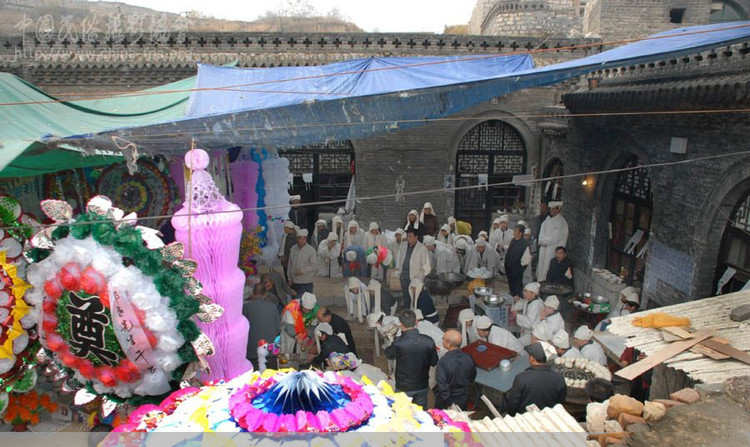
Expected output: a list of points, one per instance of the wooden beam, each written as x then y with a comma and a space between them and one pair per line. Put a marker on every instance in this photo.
666, 353
731, 351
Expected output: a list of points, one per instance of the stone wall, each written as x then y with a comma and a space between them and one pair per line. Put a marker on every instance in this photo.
536, 18
630, 19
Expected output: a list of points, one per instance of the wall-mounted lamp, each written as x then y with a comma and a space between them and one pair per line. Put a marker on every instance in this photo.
588, 182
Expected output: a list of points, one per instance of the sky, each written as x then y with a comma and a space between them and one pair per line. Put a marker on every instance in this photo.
382, 15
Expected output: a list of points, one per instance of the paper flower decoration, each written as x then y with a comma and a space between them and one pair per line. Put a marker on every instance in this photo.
305, 401
25, 408
286, 401
17, 327
117, 312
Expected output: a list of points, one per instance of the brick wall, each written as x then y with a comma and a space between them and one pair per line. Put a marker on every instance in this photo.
536, 18
629, 19
425, 155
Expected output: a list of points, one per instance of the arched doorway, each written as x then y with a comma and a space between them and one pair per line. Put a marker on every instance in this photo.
331, 166
726, 11
630, 220
735, 248
552, 189
492, 152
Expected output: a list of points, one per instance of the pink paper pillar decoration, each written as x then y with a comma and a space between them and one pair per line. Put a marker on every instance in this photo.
178, 175
244, 178
213, 240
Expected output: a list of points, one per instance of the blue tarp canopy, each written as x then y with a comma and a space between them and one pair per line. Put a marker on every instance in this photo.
287, 107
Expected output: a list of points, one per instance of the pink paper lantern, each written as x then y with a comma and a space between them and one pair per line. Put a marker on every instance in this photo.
212, 233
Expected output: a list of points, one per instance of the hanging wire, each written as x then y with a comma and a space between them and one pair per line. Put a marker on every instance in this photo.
420, 192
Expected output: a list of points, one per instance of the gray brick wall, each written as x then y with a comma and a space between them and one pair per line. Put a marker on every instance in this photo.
425, 155
691, 201
629, 19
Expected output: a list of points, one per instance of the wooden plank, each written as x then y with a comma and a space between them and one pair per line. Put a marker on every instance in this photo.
708, 352
666, 353
676, 331
673, 333
731, 351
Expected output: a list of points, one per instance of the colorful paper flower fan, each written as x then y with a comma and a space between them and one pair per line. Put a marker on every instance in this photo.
285, 401
115, 305
148, 192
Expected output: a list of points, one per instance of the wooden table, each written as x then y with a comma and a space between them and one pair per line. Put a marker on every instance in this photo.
502, 380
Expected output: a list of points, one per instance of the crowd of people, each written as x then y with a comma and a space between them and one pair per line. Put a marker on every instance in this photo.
423, 357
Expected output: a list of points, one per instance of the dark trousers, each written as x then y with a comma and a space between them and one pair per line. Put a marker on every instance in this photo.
515, 282
405, 298
418, 397
302, 288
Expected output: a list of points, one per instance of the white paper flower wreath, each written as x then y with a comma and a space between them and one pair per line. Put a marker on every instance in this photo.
137, 288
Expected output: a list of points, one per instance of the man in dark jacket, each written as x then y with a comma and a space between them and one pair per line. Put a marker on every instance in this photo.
329, 344
339, 325
264, 318
298, 213
560, 268
454, 373
538, 385
517, 259
414, 354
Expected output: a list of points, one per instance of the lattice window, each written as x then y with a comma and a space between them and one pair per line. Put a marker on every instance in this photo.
492, 136
495, 149
634, 182
741, 217
335, 163
300, 163
509, 164
344, 145
473, 164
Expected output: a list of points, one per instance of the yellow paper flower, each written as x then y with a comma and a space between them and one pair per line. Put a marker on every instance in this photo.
20, 307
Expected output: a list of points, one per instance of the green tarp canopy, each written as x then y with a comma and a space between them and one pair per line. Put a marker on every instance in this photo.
27, 114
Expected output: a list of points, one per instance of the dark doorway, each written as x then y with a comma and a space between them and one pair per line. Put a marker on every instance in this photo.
632, 208
496, 150
735, 248
332, 167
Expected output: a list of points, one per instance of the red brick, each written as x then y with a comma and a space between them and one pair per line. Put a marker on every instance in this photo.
686, 395
669, 403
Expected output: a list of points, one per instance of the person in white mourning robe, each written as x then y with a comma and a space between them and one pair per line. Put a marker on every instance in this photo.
466, 325
442, 258
374, 237
552, 234
320, 233
551, 315
446, 236
329, 251
354, 236
561, 342
496, 335
357, 299
583, 340
467, 255
488, 258
528, 311
431, 330
337, 227
394, 246
500, 234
